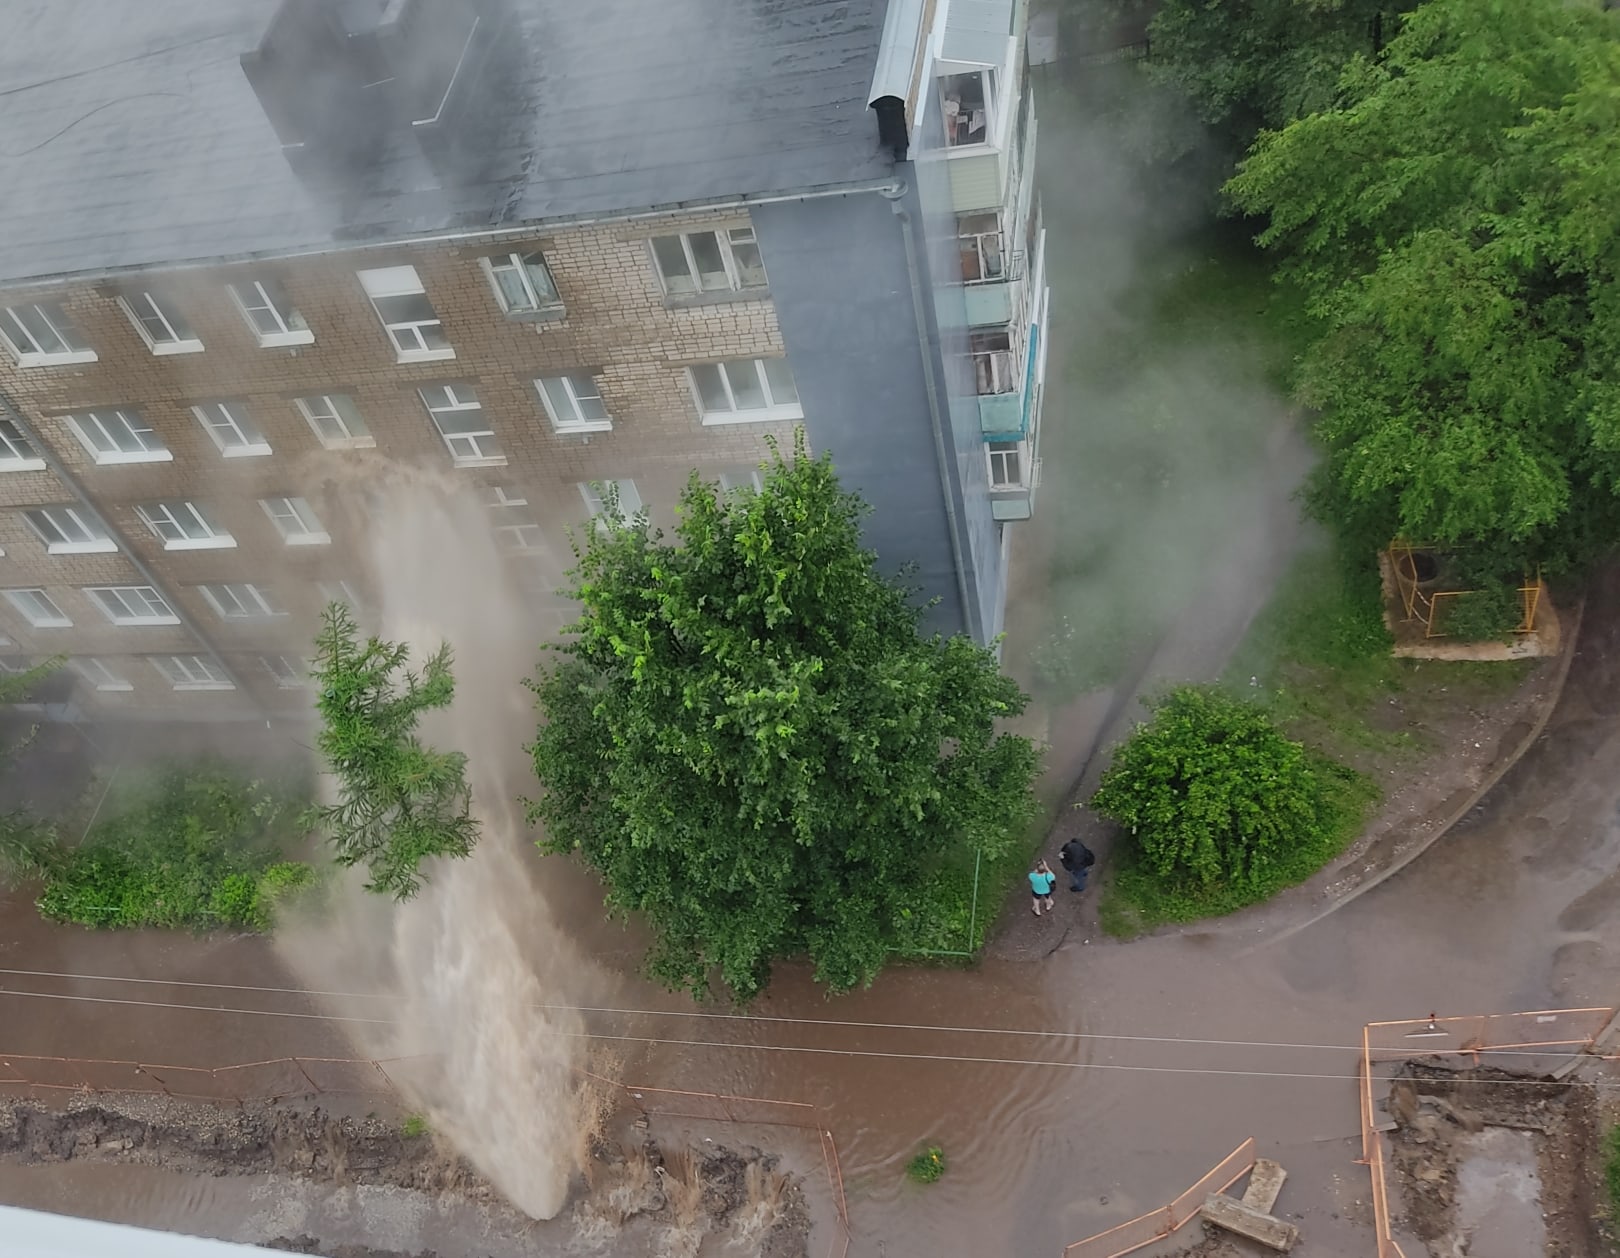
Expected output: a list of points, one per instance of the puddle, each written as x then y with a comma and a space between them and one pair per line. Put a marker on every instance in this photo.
1499, 1194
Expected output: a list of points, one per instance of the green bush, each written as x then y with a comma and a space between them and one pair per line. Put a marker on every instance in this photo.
1611, 1171
197, 847
1222, 810
1489, 614
927, 1166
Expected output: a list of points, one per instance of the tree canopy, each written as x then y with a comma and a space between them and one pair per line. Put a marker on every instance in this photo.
750, 740
399, 801
1450, 220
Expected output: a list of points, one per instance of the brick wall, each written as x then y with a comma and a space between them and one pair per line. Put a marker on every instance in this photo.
618, 325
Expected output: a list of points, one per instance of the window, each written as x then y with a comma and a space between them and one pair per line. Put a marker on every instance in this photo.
160, 324
979, 238
289, 673
233, 432
746, 389
295, 521
37, 609
460, 420
993, 369
522, 283
132, 605
17, 453
268, 312
338, 592
574, 403
742, 478
70, 530
709, 262
41, 333
966, 101
191, 672
336, 421
597, 493
1006, 464
407, 315
515, 526
118, 436
184, 526
240, 601
99, 673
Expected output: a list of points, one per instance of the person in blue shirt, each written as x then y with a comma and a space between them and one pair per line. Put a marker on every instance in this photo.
1041, 882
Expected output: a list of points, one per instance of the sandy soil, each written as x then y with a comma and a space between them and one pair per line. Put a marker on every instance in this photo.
633, 1191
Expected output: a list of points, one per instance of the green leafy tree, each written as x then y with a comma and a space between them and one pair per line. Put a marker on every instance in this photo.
750, 740
24, 838
1214, 795
399, 801
1451, 222
1251, 64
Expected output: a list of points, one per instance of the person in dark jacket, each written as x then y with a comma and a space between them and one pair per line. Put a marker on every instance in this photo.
1078, 859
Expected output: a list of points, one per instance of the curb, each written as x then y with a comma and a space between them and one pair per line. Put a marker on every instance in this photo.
1468, 805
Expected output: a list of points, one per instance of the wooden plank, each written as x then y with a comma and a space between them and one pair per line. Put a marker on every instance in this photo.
1234, 1216
1265, 1183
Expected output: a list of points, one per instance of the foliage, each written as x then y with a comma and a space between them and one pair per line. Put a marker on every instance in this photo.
1488, 614
752, 743
1215, 797
414, 1127
399, 801
1248, 64
927, 1166
1450, 219
196, 846
1611, 1170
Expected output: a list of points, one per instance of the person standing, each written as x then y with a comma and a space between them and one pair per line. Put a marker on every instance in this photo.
1041, 882
1077, 859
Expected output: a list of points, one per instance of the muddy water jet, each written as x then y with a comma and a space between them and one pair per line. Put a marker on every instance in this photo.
473, 969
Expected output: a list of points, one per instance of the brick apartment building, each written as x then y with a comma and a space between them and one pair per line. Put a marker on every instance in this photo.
255, 257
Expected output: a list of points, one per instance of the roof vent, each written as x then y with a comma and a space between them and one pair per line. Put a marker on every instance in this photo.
342, 81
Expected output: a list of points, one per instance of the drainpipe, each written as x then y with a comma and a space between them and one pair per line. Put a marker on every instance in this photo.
953, 520
11, 412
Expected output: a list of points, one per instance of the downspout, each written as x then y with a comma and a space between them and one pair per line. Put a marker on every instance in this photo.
953, 520
48, 455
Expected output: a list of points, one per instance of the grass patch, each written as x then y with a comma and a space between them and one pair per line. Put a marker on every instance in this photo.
414, 1127
199, 846
927, 1166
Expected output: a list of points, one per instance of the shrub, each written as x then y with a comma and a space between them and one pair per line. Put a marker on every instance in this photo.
414, 1127
927, 1166
1611, 1170
1488, 614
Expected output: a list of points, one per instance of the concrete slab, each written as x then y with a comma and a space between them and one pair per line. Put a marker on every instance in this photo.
1265, 1183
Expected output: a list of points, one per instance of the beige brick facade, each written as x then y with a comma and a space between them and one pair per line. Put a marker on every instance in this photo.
618, 326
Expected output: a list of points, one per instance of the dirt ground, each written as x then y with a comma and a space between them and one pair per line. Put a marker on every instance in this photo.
680, 1194
1440, 1115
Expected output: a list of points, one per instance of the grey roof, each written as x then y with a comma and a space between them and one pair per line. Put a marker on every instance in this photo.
130, 136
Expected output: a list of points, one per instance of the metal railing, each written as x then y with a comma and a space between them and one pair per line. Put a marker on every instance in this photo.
1167, 1219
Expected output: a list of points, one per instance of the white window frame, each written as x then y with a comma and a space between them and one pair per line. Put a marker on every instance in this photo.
285, 511
29, 600
518, 265
240, 600
356, 435
17, 453
250, 442
94, 537
132, 605
524, 536
174, 342
995, 366
28, 351
404, 281
96, 671
629, 498
111, 423
773, 410
733, 478
998, 454
975, 240
287, 676
991, 78
726, 239
179, 515
339, 592
475, 439
576, 421
291, 329
196, 672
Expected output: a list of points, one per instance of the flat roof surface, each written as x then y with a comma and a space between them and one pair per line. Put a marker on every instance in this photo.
130, 136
